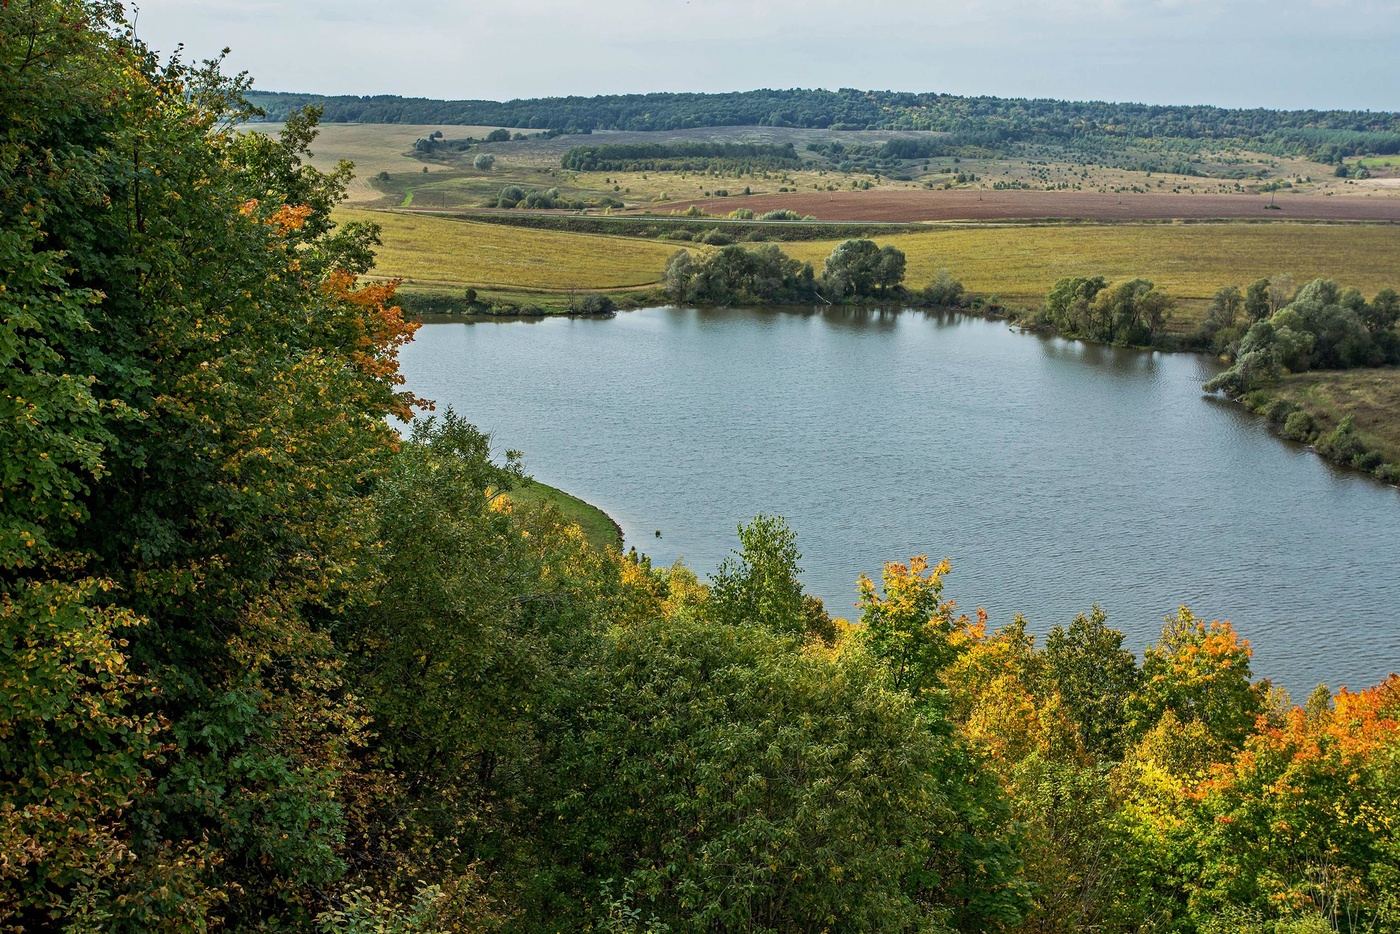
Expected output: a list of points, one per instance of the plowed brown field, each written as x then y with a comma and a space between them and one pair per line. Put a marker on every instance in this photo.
905, 205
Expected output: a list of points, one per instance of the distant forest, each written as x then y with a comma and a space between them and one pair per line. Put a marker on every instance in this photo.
1325, 134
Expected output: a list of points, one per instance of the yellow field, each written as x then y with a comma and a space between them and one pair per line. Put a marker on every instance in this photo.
1018, 264
427, 249
1189, 261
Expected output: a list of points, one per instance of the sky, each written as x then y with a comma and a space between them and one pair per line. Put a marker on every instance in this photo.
1289, 54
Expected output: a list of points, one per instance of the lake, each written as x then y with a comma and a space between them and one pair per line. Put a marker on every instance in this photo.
1054, 474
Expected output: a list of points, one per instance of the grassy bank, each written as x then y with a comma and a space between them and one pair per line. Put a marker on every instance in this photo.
1317, 408
598, 527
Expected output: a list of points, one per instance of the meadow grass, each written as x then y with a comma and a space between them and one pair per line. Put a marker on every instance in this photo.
424, 248
1189, 261
1018, 264
598, 527
1370, 396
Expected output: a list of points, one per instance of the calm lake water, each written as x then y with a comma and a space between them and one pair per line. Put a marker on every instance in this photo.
1054, 474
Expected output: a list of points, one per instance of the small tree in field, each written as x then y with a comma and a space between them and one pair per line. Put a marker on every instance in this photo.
484, 161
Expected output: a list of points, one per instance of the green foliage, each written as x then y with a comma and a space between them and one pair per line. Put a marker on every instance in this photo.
1200, 672
680, 157
738, 275
974, 122
770, 790
858, 269
760, 583
265, 665
484, 161
1095, 677
1133, 312
1323, 326
943, 292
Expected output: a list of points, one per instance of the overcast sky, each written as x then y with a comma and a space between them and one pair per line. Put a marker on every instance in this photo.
1266, 53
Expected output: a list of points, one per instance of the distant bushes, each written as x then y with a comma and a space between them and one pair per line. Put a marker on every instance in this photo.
679, 157
737, 275
1343, 444
513, 196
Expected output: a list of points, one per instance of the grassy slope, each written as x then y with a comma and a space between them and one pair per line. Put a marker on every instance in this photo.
598, 527
1370, 397
430, 249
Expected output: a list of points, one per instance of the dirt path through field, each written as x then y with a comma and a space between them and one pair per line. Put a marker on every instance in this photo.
918, 205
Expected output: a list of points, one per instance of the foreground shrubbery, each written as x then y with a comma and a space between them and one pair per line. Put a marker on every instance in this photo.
266, 666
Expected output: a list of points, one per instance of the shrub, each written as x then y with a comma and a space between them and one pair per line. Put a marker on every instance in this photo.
783, 214
484, 161
1299, 426
944, 291
716, 237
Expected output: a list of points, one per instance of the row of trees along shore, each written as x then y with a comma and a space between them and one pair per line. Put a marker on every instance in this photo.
268, 666
857, 271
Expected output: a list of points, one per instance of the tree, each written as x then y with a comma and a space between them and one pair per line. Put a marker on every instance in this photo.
1067, 306
484, 161
183, 320
1132, 312
759, 585
1095, 677
1256, 303
498, 136
858, 268
679, 274
910, 627
1200, 672
721, 815
1219, 330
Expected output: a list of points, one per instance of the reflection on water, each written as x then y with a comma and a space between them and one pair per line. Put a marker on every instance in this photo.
1055, 474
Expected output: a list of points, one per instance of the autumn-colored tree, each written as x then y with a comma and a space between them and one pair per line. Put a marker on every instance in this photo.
1199, 671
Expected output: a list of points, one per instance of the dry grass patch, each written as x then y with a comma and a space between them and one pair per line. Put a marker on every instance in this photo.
1370, 396
433, 249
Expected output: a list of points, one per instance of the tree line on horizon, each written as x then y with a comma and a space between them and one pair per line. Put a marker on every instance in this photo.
267, 665
1327, 135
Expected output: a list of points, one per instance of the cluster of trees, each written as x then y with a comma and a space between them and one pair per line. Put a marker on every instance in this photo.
680, 157
983, 121
1322, 326
548, 199
857, 271
268, 666
1132, 312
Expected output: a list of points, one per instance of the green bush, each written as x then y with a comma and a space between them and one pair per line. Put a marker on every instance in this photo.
1299, 426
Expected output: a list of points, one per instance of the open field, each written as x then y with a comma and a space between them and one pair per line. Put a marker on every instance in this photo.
598, 527
1190, 261
1370, 396
446, 250
906, 205
450, 181
1018, 264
